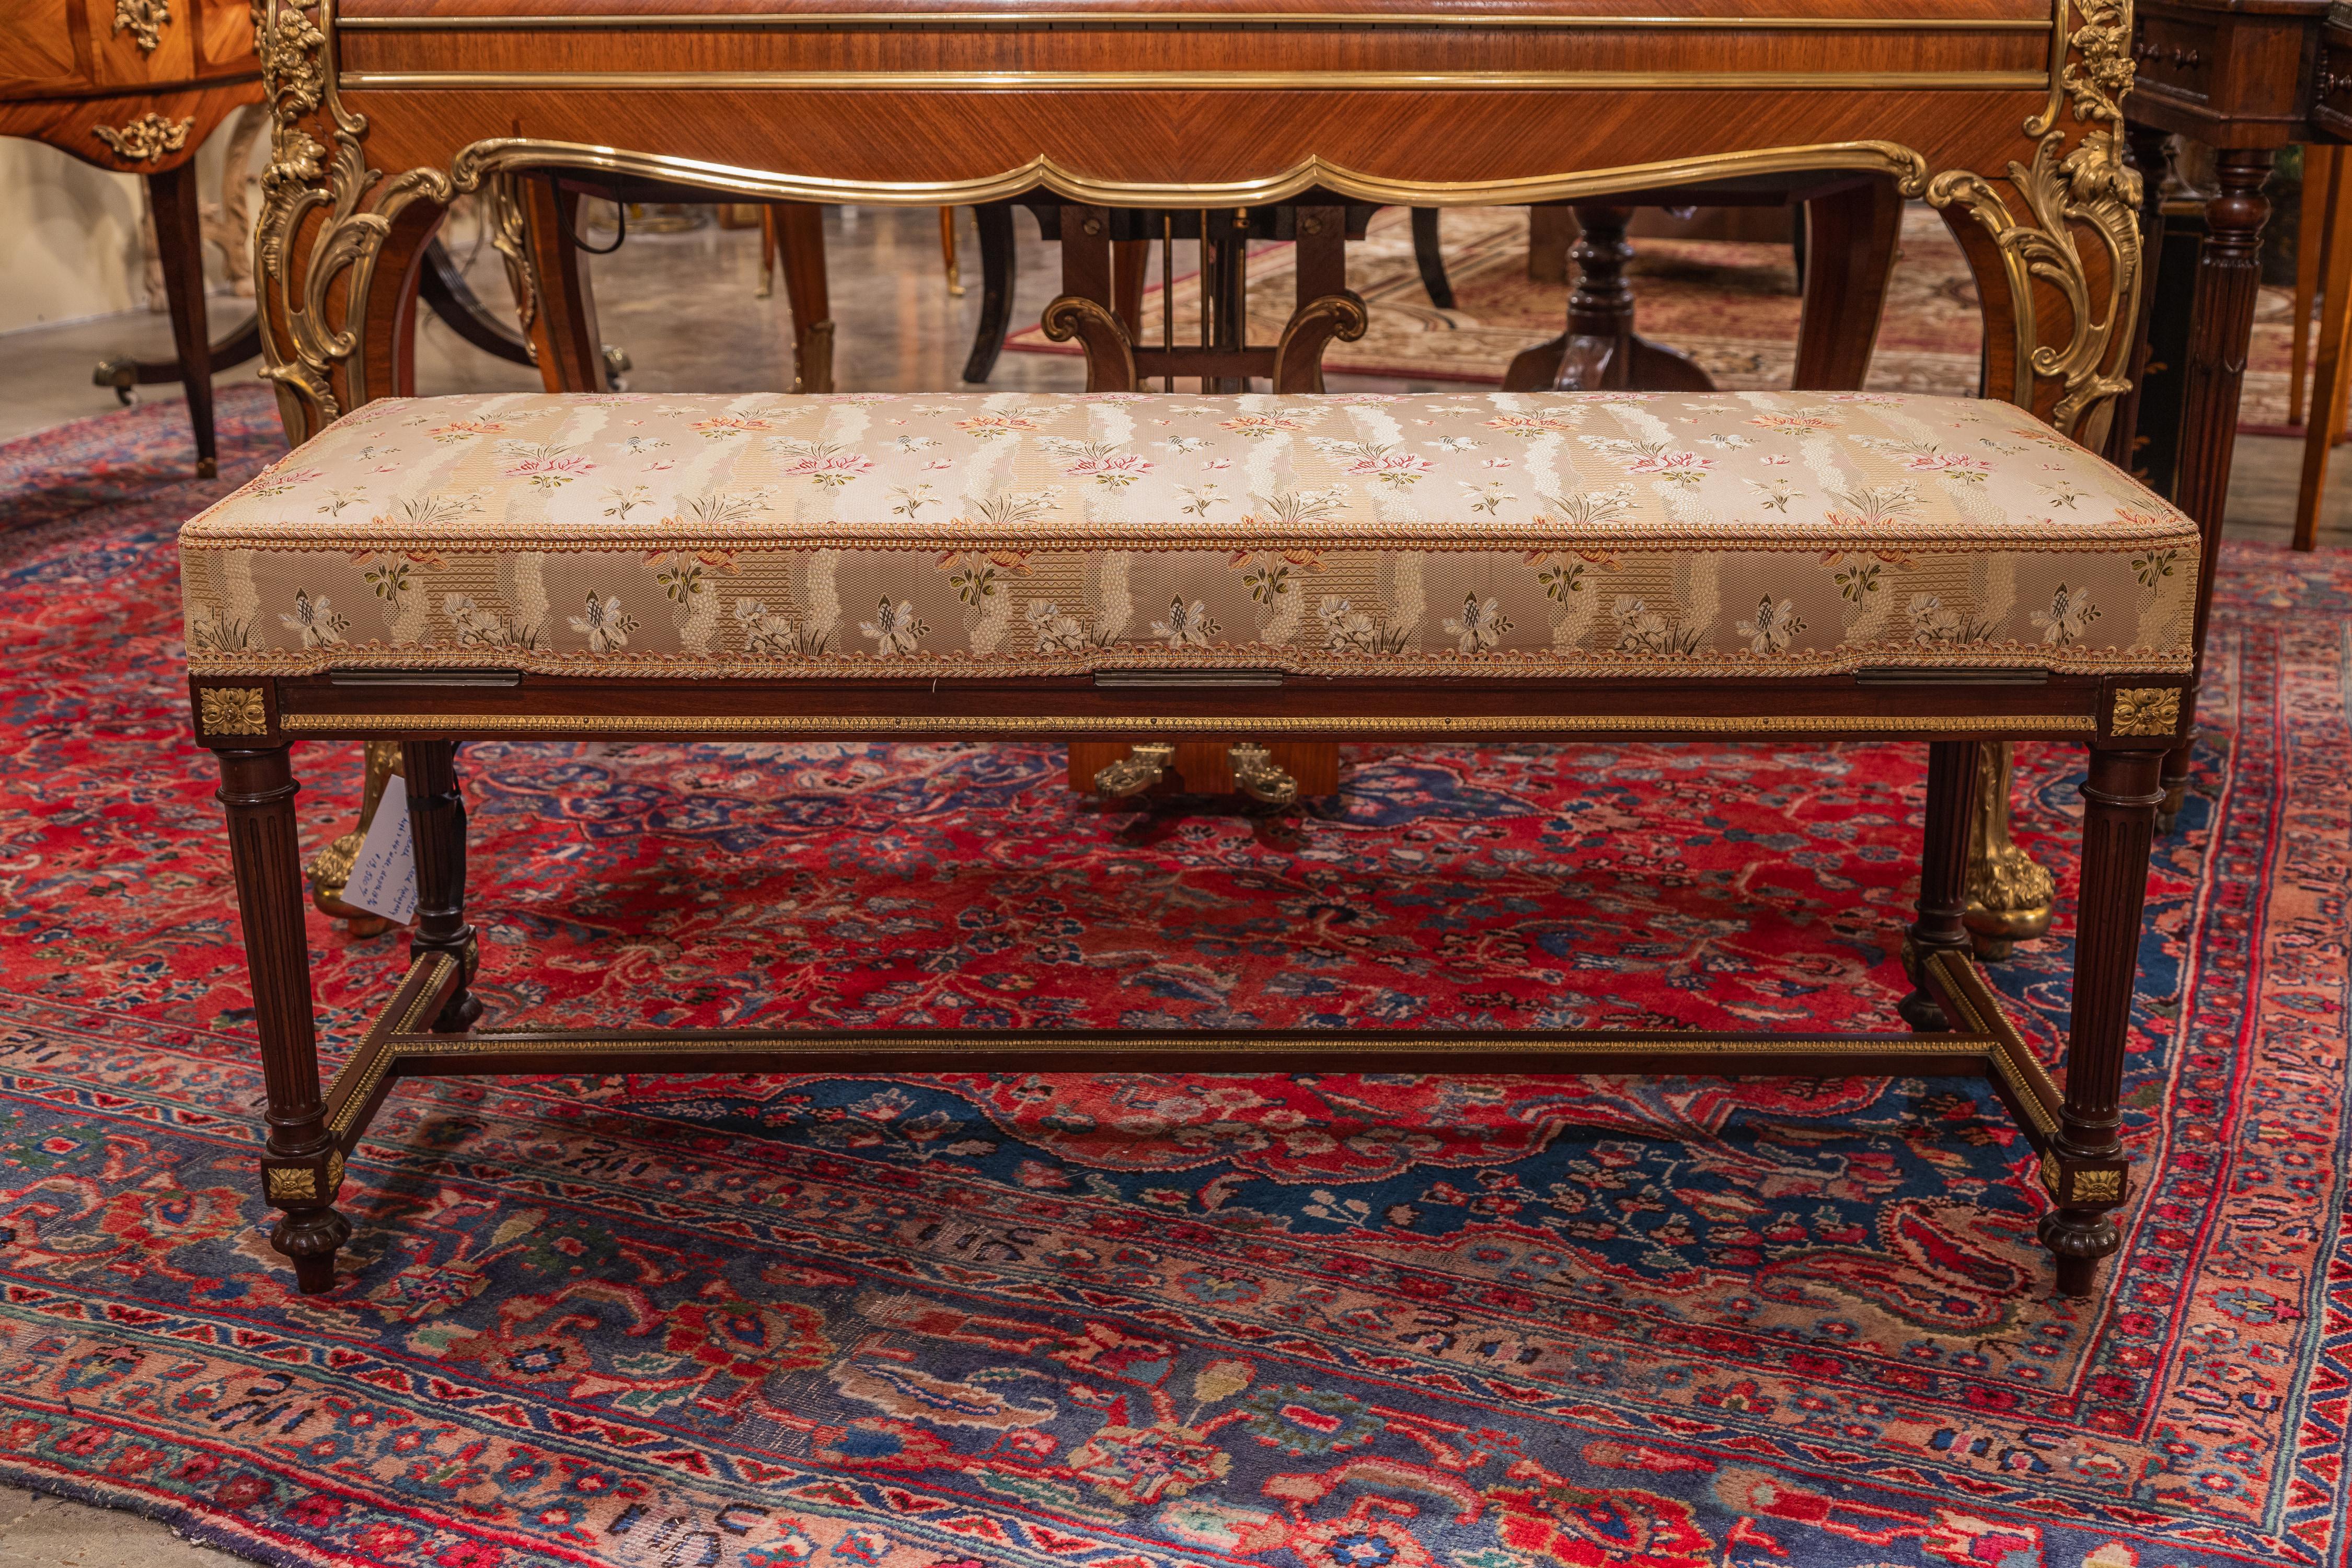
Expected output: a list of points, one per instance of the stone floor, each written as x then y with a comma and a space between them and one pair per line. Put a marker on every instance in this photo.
684, 306
40, 1532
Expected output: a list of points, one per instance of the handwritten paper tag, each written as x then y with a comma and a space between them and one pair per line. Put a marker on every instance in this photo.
384, 879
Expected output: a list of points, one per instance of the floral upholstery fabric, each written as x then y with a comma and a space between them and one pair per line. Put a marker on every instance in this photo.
1554, 535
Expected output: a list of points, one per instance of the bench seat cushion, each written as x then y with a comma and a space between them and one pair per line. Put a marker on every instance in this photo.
1487, 534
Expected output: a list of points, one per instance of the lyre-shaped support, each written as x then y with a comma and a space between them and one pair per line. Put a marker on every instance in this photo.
1299, 356
1142, 768
1110, 352
1256, 775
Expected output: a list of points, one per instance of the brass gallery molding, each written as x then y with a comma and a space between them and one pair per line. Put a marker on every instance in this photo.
1194, 81
1342, 1043
1127, 21
1040, 726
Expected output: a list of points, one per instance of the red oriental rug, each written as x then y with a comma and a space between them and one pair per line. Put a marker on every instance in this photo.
1328, 1321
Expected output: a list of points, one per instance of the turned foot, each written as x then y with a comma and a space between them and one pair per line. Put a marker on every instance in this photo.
312, 1237
462, 1012
2168, 811
2078, 1276
1923, 1013
2078, 1240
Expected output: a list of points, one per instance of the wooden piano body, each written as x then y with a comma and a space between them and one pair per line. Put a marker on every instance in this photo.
2000, 111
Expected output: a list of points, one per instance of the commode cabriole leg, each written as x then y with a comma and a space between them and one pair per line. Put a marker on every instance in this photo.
1952, 767
301, 1166
436, 818
2085, 1171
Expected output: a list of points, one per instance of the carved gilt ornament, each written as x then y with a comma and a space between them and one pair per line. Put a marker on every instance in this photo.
145, 20
147, 138
232, 710
2037, 220
2147, 710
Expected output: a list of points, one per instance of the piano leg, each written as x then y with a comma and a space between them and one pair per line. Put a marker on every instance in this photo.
800, 229
1850, 245
563, 334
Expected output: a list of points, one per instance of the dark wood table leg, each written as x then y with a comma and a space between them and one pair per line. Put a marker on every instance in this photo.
1599, 351
238, 344
301, 1165
1850, 238
2085, 1171
1429, 256
436, 821
994, 222
2229, 278
180, 241
1942, 875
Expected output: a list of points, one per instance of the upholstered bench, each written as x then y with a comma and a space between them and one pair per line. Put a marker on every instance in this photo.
1148, 569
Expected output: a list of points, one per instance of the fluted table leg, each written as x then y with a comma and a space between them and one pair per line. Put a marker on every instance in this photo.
2229, 278
437, 817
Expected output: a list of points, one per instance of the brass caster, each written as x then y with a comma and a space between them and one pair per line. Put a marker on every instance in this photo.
1142, 767
120, 372
1256, 775
618, 363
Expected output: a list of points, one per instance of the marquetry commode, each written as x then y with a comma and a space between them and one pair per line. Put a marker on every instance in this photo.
1443, 568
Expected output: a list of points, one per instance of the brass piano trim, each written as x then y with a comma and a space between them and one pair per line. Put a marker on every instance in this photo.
1191, 81
1015, 21
483, 159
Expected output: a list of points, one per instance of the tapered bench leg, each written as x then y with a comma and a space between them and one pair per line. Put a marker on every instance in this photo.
301, 1166
436, 822
2085, 1171
1942, 875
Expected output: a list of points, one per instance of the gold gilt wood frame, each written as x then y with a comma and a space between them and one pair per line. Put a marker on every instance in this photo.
2053, 236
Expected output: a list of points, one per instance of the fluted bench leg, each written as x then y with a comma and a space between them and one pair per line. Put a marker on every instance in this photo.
436, 818
1942, 875
301, 1166
2085, 1171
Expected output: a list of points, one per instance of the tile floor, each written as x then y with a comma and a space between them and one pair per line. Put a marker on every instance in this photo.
685, 307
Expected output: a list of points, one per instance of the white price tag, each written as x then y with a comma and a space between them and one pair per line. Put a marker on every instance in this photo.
384, 878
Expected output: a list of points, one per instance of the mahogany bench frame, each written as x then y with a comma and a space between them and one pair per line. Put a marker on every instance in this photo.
429, 1025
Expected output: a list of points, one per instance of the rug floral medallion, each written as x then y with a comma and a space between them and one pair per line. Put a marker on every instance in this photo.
1338, 1320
